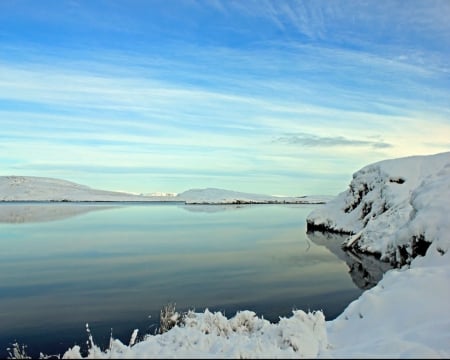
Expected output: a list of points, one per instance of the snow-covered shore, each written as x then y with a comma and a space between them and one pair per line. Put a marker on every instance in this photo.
390, 206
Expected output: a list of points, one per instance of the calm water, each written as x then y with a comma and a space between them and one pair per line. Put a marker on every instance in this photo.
65, 265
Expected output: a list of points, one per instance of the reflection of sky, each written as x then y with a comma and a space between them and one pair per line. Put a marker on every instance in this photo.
124, 264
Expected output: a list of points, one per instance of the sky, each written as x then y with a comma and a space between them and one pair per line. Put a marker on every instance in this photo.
278, 97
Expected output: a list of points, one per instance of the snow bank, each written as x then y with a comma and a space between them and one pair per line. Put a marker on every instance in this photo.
393, 208
212, 335
407, 315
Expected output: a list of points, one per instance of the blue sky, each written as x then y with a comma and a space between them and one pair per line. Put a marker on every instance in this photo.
276, 97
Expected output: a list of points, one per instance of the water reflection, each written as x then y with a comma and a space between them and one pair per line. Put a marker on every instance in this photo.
115, 268
18, 213
365, 270
213, 208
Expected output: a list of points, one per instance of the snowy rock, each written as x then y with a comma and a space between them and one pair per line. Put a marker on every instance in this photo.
394, 208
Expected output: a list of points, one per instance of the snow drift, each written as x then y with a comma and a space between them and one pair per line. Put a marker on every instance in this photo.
394, 208
212, 335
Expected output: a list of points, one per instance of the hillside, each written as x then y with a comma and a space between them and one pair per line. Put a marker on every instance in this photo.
31, 188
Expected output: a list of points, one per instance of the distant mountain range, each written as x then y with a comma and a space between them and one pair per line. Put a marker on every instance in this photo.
31, 188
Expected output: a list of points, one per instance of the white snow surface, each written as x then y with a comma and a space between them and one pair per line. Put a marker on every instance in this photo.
212, 335
393, 205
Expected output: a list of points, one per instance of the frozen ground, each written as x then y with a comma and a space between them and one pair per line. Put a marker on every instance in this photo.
389, 208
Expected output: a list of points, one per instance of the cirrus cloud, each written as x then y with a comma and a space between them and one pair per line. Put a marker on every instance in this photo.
311, 140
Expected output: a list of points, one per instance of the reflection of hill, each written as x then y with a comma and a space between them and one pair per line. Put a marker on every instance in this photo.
212, 208
365, 270
24, 213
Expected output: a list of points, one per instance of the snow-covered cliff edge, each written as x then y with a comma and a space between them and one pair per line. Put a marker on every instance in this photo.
394, 208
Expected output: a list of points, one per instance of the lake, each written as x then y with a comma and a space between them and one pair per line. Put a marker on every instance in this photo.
115, 266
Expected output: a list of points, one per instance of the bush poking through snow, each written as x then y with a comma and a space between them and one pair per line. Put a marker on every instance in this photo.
17, 352
168, 318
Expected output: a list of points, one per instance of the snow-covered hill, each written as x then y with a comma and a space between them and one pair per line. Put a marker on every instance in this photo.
220, 196
393, 208
31, 188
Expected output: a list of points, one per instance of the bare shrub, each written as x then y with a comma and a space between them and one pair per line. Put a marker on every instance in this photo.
17, 352
169, 317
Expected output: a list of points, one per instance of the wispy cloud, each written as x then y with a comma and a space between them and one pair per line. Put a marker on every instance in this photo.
310, 140
235, 88
330, 20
